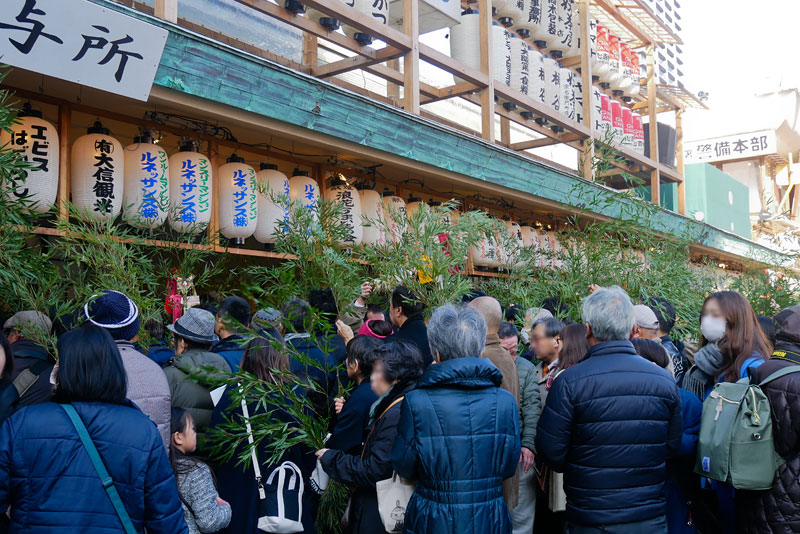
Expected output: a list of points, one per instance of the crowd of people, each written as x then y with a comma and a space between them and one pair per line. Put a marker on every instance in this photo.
498, 419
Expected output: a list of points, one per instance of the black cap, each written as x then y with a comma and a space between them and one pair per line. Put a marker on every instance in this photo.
28, 111
298, 172
142, 139
97, 128
387, 192
268, 167
188, 146
235, 159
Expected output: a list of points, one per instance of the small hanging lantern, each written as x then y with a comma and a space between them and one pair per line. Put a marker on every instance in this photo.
546, 246
372, 209
412, 205
98, 167
272, 183
628, 134
501, 54
626, 69
512, 255
564, 29
395, 216
602, 62
614, 73
146, 191
537, 77
577, 96
37, 141
304, 190
520, 65
552, 84
635, 86
238, 201
638, 134
606, 116
190, 179
567, 92
616, 121
348, 198
543, 16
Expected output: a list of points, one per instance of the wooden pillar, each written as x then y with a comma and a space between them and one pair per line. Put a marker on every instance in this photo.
652, 104
213, 224
586, 79
505, 131
487, 95
681, 165
411, 58
64, 127
392, 89
167, 10
310, 50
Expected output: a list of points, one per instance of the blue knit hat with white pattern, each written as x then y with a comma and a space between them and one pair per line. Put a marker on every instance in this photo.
115, 312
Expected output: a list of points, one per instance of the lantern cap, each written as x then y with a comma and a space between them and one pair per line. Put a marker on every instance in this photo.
28, 111
387, 192
434, 203
298, 172
268, 167
470, 11
412, 198
142, 139
337, 180
188, 146
97, 128
233, 158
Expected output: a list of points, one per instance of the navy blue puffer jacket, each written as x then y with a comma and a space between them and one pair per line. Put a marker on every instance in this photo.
609, 423
47, 479
458, 437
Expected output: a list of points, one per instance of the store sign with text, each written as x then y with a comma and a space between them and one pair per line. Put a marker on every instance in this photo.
739, 146
82, 42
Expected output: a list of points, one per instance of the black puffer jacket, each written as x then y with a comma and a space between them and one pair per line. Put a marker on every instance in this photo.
777, 511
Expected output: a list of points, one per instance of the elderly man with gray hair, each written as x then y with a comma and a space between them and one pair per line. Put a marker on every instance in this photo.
609, 424
458, 434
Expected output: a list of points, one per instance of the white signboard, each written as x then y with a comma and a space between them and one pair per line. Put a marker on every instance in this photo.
739, 146
82, 42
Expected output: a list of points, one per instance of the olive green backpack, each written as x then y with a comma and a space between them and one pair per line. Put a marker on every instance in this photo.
735, 445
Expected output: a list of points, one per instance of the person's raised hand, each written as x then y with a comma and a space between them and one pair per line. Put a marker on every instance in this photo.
338, 404
366, 291
344, 331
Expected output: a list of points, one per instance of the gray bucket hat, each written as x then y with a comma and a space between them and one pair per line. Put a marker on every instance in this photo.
195, 325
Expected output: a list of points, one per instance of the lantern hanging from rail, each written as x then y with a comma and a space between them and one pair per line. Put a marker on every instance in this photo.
379, 11
412, 205
304, 190
564, 29
524, 27
514, 246
552, 84
602, 60
520, 65
597, 104
558, 250
537, 77
626, 70
606, 118
190, 199
145, 197
464, 41
511, 12
614, 73
616, 121
273, 204
546, 246
628, 133
530, 239
238, 200
484, 254
638, 134
98, 167
394, 216
372, 213
348, 198
567, 92
635, 86
37, 142
577, 97
543, 15
501, 54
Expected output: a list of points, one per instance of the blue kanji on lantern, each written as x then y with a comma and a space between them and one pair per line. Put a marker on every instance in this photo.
149, 208
239, 198
149, 162
309, 193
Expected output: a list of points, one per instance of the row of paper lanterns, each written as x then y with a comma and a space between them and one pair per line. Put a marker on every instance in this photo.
491, 253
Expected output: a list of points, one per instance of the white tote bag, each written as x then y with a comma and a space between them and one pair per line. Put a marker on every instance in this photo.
393, 496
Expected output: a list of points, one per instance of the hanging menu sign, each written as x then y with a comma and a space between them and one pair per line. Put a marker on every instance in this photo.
739, 146
82, 42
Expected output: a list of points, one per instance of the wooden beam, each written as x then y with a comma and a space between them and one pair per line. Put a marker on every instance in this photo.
355, 62
487, 95
681, 165
459, 89
64, 169
396, 78
587, 163
536, 143
631, 26
540, 110
392, 87
351, 17
167, 10
655, 174
310, 51
411, 59
505, 131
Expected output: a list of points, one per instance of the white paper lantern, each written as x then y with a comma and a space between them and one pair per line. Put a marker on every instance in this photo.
612, 76
567, 93
616, 121
628, 134
520, 65
348, 198
501, 54
565, 35
638, 134
272, 185
238, 199
395, 216
606, 118
558, 250
98, 168
635, 87
516, 244
146, 191
413, 204
379, 11
464, 41
597, 103
546, 246
602, 62
304, 190
543, 16
485, 254
37, 142
577, 96
552, 84
537, 77
190, 198
626, 68
372, 210
511, 12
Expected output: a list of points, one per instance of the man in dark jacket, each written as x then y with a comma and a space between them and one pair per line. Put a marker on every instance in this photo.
458, 434
406, 315
30, 357
665, 313
609, 424
778, 510
232, 319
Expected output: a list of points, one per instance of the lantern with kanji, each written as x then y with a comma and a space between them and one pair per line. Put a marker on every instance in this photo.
606, 117
614, 63
546, 247
346, 196
537, 76
616, 121
625, 79
564, 29
602, 60
190, 179
567, 92
412, 205
510, 13
513, 246
638, 134
372, 211
394, 216
304, 190
552, 84
37, 142
273, 203
628, 133
238, 200
543, 17
501, 54
146, 191
635, 86
98, 167
520, 65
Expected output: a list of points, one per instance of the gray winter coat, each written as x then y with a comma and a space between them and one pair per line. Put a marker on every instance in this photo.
199, 497
147, 387
530, 405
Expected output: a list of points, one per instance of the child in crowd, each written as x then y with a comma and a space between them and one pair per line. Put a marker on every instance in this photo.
203, 509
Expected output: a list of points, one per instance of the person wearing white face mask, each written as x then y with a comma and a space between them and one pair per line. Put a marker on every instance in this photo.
732, 343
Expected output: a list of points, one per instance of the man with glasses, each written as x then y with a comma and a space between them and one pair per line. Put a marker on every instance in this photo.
546, 342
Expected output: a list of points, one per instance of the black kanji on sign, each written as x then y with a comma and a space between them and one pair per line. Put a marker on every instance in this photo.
740, 146
35, 28
99, 43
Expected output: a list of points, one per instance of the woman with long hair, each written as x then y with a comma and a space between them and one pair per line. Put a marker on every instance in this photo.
732, 343
572, 348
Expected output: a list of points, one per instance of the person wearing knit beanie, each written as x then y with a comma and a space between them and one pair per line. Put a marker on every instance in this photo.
116, 312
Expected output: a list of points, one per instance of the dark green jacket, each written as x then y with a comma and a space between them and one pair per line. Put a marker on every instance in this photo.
530, 407
188, 394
